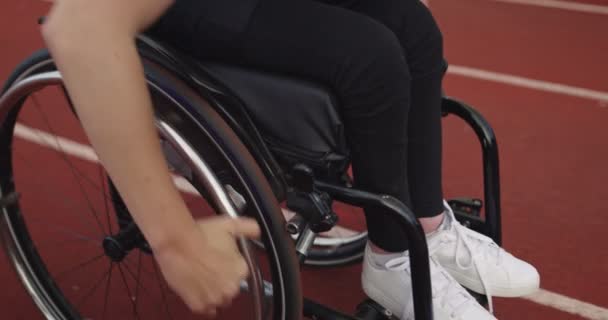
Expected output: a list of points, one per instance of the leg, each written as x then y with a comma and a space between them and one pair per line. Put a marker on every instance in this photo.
363, 61
503, 275
422, 43
369, 80
358, 57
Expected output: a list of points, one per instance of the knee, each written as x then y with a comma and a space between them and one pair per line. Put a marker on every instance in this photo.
376, 61
374, 84
423, 40
419, 34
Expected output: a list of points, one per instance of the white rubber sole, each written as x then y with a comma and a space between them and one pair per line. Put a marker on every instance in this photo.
497, 291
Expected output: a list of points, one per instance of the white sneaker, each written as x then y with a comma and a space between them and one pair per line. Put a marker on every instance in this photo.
478, 263
391, 286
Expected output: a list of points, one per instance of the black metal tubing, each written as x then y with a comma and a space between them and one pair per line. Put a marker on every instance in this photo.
419, 254
491, 174
318, 311
367, 310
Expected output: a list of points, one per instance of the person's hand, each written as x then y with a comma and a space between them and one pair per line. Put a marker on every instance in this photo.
204, 266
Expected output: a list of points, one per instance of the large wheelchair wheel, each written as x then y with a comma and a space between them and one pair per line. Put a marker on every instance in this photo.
72, 241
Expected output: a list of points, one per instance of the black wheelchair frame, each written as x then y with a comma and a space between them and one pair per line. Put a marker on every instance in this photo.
227, 104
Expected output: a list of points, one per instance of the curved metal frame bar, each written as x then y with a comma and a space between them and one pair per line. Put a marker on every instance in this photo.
491, 174
418, 250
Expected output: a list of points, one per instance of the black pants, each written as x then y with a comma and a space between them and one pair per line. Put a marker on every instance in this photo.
384, 61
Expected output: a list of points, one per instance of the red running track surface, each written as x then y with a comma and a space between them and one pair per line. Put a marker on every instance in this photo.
553, 147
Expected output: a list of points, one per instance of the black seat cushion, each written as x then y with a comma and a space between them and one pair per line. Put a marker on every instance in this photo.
298, 119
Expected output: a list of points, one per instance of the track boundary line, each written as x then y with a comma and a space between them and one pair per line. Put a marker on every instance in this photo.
563, 5
84, 152
79, 150
528, 83
569, 305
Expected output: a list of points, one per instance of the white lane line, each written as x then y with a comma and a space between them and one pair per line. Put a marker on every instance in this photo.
85, 152
518, 81
564, 5
58, 143
79, 150
569, 305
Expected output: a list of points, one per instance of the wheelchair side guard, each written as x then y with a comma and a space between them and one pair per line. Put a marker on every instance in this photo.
491, 225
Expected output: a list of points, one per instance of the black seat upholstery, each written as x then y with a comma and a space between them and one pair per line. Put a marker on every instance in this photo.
298, 119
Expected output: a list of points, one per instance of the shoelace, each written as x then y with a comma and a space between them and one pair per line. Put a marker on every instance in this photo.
462, 240
451, 290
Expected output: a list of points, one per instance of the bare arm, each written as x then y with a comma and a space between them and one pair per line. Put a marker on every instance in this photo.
94, 49
93, 45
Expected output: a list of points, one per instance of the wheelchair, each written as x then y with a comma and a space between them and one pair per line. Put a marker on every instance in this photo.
240, 142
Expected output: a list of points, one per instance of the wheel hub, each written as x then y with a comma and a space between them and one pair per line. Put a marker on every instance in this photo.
114, 249
117, 247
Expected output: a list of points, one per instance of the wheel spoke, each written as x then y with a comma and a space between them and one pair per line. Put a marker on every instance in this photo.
65, 242
48, 139
128, 262
124, 281
78, 266
102, 177
137, 283
105, 299
162, 290
45, 140
66, 231
70, 206
69, 164
136, 278
93, 289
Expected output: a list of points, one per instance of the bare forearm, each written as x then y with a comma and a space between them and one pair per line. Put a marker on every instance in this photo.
103, 74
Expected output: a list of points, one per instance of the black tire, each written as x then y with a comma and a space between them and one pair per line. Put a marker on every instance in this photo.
212, 139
